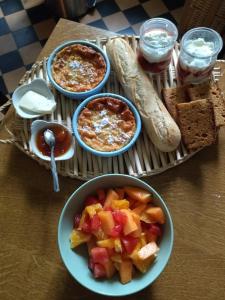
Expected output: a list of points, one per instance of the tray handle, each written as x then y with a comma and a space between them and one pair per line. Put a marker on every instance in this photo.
4, 108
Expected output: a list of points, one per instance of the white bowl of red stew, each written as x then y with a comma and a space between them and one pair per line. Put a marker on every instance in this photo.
78, 69
106, 124
64, 142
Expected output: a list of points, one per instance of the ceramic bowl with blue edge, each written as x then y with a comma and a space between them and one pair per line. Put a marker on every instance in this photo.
71, 94
76, 261
38, 86
104, 153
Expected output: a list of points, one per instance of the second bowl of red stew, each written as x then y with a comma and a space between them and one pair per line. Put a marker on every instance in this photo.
64, 142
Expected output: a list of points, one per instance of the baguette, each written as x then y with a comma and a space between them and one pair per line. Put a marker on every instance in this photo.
160, 126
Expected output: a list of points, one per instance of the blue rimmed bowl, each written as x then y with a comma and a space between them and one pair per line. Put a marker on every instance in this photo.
78, 95
76, 261
102, 153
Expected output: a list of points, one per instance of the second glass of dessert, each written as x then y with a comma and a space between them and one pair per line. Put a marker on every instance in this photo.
198, 53
157, 39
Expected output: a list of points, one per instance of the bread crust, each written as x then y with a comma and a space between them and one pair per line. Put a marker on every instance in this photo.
159, 125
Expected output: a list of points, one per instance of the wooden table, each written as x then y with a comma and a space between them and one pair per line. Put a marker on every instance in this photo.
31, 267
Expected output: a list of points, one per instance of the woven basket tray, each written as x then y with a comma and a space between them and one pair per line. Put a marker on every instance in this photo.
143, 159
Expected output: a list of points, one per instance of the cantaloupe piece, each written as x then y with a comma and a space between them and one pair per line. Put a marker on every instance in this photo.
100, 234
109, 268
145, 217
111, 195
116, 258
78, 237
138, 194
118, 246
139, 209
108, 243
143, 239
156, 214
125, 271
83, 218
120, 204
116, 265
120, 192
130, 224
143, 265
148, 250
107, 221
138, 231
135, 251
93, 209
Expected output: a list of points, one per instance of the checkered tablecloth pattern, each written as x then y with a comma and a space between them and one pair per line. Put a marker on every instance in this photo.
23, 32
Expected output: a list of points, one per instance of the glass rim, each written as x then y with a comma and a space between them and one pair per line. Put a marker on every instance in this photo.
215, 52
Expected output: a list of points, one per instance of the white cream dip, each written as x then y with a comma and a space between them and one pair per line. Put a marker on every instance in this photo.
35, 102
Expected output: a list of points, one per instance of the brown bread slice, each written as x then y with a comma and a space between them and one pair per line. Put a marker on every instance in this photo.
197, 124
172, 96
210, 91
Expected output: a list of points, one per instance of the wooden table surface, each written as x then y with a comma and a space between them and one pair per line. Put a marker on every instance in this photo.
30, 264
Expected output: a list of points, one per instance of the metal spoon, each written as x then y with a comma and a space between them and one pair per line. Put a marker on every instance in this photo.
50, 140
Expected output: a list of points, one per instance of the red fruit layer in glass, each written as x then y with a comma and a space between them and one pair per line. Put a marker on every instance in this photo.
155, 67
184, 73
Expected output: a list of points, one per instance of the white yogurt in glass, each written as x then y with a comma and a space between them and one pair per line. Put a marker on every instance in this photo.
156, 46
157, 39
199, 50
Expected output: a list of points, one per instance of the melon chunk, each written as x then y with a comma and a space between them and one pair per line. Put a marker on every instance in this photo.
125, 271
137, 232
145, 217
143, 265
78, 237
107, 221
109, 268
148, 250
83, 218
139, 209
143, 239
138, 194
130, 224
120, 204
118, 246
111, 195
93, 209
156, 214
100, 234
116, 258
108, 243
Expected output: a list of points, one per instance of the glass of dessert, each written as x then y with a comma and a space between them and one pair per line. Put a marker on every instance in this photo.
198, 53
157, 39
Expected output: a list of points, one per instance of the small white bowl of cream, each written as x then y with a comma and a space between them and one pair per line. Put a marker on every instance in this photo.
33, 100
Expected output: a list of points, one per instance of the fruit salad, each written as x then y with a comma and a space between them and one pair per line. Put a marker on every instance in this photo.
122, 228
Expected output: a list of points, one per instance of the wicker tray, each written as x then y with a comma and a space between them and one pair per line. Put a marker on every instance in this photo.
143, 159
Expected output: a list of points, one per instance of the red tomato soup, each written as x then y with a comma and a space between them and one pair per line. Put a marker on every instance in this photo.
62, 140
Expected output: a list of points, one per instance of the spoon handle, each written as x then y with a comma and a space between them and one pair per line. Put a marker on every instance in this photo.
54, 172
